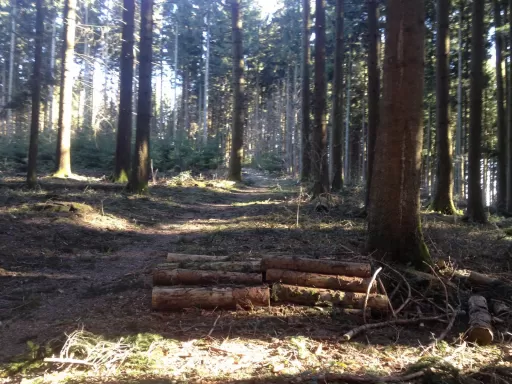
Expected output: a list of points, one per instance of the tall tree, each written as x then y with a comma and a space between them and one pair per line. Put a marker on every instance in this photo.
475, 204
12, 52
306, 142
235, 161
140, 169
373, 88
66, 91
337, 177
394, 222
509, 131
443, 196
319, 134
502, 129
36, 96
124, 127
206, 79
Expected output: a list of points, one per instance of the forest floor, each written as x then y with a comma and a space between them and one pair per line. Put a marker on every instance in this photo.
75, 265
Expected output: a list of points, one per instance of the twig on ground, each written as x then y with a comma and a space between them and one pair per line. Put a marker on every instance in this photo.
444, 288
347, 378
368, 292
213, 326
59, 360
409, 295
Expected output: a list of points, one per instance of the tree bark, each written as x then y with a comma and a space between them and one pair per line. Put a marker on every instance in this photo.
394, 223
480, 329
337, 124
124, 128
320, 169
66, 91
509, 130
140, 168
443, 196
206, 80
235, 160
12, 52
327, 297
344, 283
173, 298
502, 128
459, 159
306, 142
228, 266
476, 211
199, 277
179, 257
348, 135
373, 90
36, 96
327, 267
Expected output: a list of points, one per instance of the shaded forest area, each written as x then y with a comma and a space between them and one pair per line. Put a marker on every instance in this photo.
368, 132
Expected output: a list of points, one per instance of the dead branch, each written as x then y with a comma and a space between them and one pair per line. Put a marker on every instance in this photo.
347, 378
59, 360
372, 280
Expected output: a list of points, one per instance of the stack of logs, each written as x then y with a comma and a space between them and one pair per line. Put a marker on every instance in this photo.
202, 281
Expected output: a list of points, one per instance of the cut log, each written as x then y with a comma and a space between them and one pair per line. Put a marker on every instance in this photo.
328, 267
480, 330
344, 283
180, 257
227, 266
197, 277
476, 278
327, 297
174, 298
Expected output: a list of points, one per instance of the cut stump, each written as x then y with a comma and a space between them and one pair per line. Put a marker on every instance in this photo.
480, 330
197, 277
328, 267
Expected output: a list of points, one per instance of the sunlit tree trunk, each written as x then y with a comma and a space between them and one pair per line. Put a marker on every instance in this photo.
348, 134
305, 131
175, 102
50, 106
11, 68
206, 81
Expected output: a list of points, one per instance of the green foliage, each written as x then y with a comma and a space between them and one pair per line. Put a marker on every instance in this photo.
184, 156
270, 162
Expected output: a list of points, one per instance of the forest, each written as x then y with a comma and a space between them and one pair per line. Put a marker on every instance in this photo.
256, 191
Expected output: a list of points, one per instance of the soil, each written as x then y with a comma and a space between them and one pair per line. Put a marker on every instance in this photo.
79, 254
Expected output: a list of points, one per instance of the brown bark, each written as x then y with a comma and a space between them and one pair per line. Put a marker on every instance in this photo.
228, 266
66, 91
180, 257
124, 128
319, 166
140, 168
198, 277
344, 283
476, 211
509, 128
332, 267
327, 297
306, 143
173, 298
443, 196
394, 222
337, 123
235, 160
480, 330
36, 97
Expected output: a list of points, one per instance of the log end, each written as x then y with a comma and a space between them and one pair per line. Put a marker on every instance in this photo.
480, 335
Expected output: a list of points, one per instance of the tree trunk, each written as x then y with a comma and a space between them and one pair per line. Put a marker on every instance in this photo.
328, 267
443, 196
50, 106
475, 206
428, 167
480, 329
12, 52
348, 135
206, 81
319, 136
337, 126
124, 128
459, 158
502, 129
227, 266
394, 221
344, 283
509, 144
36, 96
235, 160
199, 277
327, 297
306, 142
175, 103
140, 168
66, 91
172, 298
373, 89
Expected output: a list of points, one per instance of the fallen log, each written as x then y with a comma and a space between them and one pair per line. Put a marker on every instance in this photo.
344, 283
197, 277
476, 278
227, 266
329, 267
327, 297
180, 257
174, 298
480, 330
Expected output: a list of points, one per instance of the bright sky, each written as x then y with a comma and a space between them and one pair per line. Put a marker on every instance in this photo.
269, 6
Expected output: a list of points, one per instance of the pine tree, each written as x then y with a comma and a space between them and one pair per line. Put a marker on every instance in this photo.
306, 131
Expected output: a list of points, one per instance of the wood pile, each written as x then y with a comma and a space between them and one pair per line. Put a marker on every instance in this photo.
219, 282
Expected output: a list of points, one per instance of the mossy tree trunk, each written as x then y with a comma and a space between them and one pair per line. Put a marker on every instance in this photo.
394, 207
124, 128
140, 168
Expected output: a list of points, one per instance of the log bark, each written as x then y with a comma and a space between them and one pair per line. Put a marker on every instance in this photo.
476, 278
227, 266
344, 283
480, 330
327, 297
197, 277
317, 266
173, 298
180, 257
